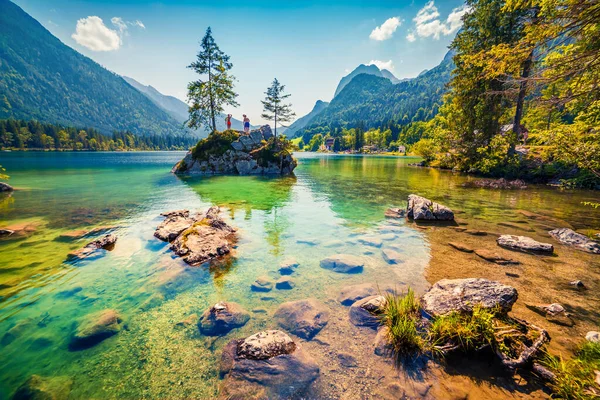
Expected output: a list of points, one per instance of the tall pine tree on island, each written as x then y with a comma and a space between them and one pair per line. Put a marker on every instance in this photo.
214, 89
274, 107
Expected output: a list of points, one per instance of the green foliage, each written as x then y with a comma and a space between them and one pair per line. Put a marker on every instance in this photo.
2, 173
426, 148
43, 79
274, 107
400, 316
468, 331
216, 144
315, 143
272, 151
214, 88
22, 135
575, 377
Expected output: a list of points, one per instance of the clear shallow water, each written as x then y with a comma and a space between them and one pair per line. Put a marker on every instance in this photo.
325, 209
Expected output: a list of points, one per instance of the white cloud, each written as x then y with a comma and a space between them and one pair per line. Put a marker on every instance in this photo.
91, 32
386, 30
428, 24
411, 37
389, 65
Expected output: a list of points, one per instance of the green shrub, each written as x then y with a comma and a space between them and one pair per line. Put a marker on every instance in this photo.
216, 144
467, 331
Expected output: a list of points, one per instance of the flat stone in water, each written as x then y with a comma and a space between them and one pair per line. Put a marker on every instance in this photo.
370, 241
351, 294
303, 318
493, 257
285, 283
343, 263
392, 256
420, 208
461, 295
366, 312
571, 238
460, 247
262, 284
524, 244
265, 345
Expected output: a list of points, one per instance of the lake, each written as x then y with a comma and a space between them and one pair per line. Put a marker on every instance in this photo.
329, 207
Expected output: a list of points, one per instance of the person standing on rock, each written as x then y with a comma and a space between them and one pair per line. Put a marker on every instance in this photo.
228, 121
246, 124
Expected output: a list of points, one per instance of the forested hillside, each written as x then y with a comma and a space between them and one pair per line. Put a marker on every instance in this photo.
43, 79
33, 135
375, 102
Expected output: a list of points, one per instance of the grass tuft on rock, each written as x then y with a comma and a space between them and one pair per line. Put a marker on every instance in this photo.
216, 144
464, 331
400, 316
575, 378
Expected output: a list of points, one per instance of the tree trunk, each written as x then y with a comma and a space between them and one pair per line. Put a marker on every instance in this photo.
520, 100
210, 95
275, 124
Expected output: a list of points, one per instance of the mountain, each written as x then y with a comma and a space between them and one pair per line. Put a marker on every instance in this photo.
41, 78
303, 121
374, 100
364, 69
178, 109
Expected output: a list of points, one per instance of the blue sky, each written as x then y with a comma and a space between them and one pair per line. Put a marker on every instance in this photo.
307, 45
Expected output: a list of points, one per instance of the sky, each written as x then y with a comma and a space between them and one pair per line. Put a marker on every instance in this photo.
307, 45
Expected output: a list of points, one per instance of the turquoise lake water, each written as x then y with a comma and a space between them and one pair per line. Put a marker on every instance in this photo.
325, 209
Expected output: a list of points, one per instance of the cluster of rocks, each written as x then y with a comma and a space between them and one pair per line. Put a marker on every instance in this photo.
242, 158
196, 238
94, 249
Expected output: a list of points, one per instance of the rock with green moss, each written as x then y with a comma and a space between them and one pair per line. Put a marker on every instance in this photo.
236, 153
44, 388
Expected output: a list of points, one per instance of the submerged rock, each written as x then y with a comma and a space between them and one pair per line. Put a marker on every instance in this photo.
460, 247
268, 364
289, 262
206, 239
16, 331
370, 241
381, 345
553, 312
449, 295
497, 184
303, 318
94, 328
493, 257
4, 233
93, 248
262, 284
351, 294
392, 256
5, 187
394, 213
571, 238
285, 283
222, 318
343, 263
420, 208
44, 388
366, 312
524, 244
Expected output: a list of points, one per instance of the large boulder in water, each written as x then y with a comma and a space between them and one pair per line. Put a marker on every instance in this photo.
303, 318
462, 295
366, 312
206, 239
94, 328
237, 153
268, 364
222, 318
420, 208
524, 244
343, 263
571, 238
44, 388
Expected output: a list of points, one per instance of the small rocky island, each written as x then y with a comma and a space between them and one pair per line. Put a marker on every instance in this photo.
236, 153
